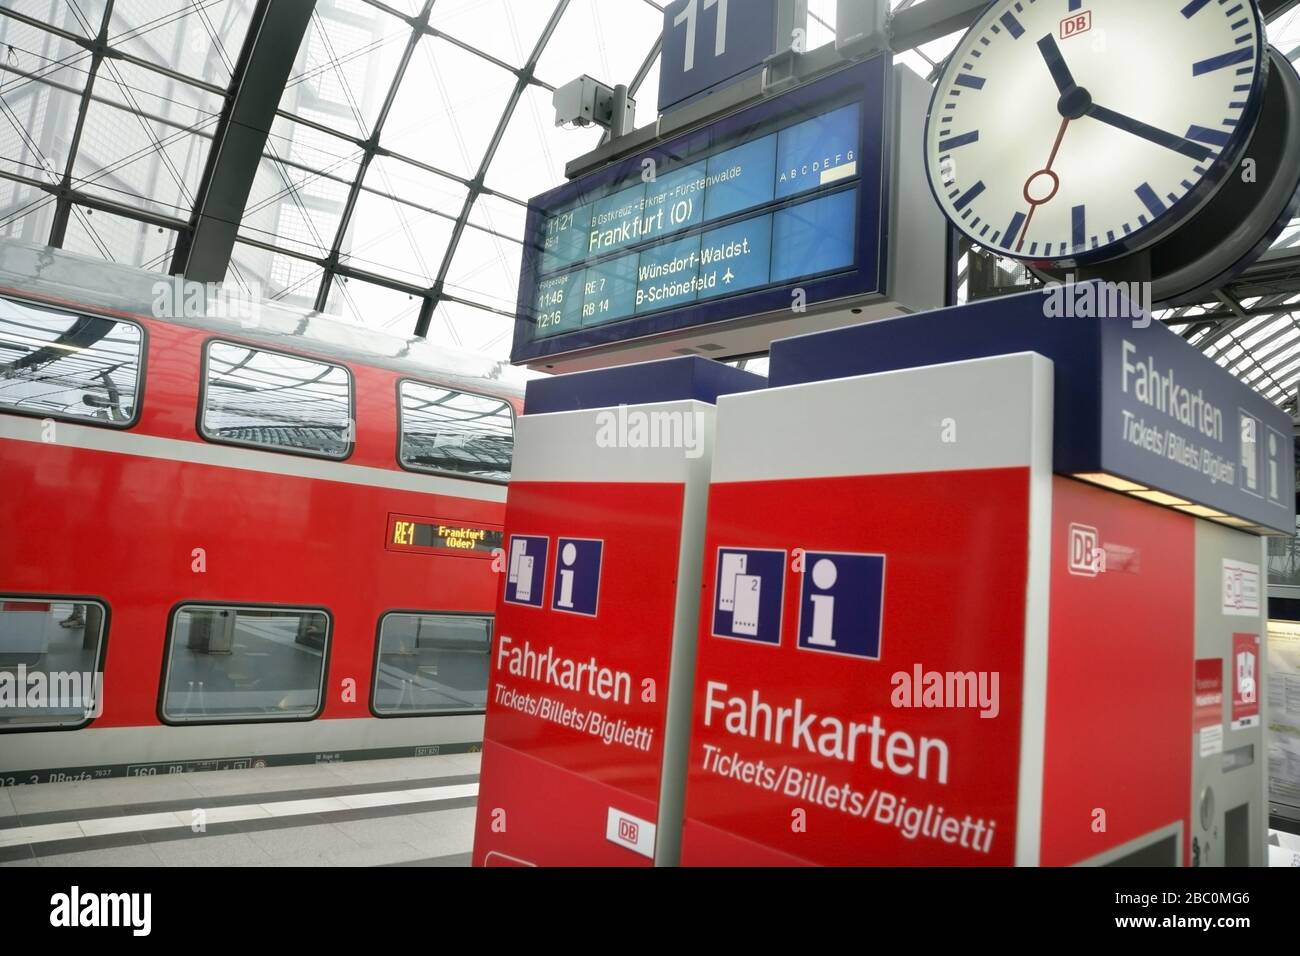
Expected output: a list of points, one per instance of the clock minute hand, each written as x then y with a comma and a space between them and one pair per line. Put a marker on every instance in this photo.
1158, 136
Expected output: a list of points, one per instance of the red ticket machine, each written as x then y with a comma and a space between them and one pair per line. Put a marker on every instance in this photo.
593, 651
971, 580
841, 576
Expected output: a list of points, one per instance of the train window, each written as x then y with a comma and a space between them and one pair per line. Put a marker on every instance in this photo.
244, 663
282, 402
431, 663
50, 673
61, 365
455, 433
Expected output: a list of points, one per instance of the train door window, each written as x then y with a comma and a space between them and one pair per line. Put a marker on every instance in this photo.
282, 402
451, 432
431, 663
56, 364
50, 654
244, 663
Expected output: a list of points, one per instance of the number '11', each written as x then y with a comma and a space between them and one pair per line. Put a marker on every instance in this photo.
689, 16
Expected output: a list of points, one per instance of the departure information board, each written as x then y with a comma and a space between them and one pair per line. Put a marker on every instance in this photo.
718, 224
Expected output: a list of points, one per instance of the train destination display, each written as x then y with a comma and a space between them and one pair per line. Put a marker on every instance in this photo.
425, 535
773, 203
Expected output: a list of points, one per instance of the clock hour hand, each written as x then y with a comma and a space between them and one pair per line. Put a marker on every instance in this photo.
1056, 63
1158, 136
1075, 100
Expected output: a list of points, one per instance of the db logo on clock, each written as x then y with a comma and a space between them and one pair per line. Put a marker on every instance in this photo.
1073, 26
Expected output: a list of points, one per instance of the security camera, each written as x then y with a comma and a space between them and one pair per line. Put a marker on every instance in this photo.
586, 102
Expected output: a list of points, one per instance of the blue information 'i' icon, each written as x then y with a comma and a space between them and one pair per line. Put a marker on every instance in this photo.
841, 603
576, 588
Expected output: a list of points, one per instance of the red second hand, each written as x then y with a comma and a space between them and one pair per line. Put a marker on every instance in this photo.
1047, 170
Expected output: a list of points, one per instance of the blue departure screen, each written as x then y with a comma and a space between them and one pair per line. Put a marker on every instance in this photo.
763, 209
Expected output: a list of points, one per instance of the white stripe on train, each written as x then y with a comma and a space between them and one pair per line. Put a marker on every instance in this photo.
70, 435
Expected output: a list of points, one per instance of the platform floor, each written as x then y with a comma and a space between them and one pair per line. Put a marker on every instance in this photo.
411, 812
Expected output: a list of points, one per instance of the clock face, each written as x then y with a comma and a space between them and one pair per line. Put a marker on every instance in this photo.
1073, 131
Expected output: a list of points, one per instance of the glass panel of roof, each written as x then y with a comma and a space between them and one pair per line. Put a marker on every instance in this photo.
374, 306
469, 327
345, 66
505, 29
499, 215
75, 16
447, 107
300, 190
274, 276
149, 163
485, 269
119, 239
141, 90
26, 211
202, 40
602, 39
402, 240
42, 77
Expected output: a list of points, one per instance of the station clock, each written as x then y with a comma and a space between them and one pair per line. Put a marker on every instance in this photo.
1066, 132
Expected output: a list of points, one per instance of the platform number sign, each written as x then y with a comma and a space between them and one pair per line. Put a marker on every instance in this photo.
688, 17
708, 42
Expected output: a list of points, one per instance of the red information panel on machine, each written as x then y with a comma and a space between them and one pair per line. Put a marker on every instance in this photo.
574, 737
843, 715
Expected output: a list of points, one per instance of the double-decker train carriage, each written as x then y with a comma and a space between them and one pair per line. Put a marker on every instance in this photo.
228, 541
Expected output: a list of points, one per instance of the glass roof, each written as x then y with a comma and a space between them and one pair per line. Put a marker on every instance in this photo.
408, 139
407, 103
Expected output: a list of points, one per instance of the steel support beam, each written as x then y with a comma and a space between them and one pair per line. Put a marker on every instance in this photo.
1275, 8
275, 34
369, 148
63, 207
931, 19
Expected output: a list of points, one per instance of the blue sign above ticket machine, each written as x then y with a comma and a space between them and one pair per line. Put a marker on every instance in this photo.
1138, 410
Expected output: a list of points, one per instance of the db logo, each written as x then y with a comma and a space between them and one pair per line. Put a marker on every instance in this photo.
1087, 559
631, 833
1073, 26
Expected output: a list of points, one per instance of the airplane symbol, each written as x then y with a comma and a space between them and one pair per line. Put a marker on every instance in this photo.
727, 277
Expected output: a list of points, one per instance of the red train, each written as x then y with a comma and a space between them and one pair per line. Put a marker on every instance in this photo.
224, 542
